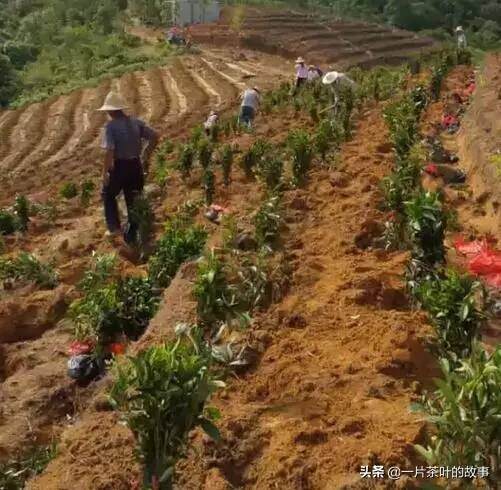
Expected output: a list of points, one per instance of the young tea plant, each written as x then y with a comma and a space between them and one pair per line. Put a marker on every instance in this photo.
205, 150
143, 217
427, 223
180, 242
22, 209
186, 158
8, 222
69, 190
253, 156
465, 410
88, 188
452, 305
269, 171
209, 185
301, 149
226, 159
268, 221
26, 267
162, 395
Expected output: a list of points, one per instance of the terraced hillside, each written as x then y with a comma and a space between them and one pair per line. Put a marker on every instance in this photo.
57, 140
324, 41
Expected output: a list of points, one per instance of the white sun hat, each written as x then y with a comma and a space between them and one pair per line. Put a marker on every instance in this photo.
300, 60
113, 102
331, 77
459, 28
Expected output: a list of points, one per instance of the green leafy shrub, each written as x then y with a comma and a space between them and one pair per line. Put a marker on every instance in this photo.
69, 190
270, 170
112, 307
205, 150
22, 208
186, 159
466, 409
452, 305
253, 156
323, 137
161, 394
227, 163
216, 300
142, 215
88, 188
8, 222
209, 185
268, 221
427, 223
197, 135
26, 267
301, 149
180, 242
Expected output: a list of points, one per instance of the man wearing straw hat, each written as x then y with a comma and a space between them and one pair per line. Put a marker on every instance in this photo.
301, 73
336, 80
123, 171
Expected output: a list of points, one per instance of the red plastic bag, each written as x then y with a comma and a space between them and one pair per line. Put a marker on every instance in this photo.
486, 263
78, 348
470, 248
117, 348
493, 280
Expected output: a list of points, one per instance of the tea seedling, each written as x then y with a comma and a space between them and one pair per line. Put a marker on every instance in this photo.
450, 302
180, 242
205, 150
227, 163
69, 190
270, 170
268, 221
253, 156
300, 146
142, 216
466, 409
209, 185
22, 209
26, 267
88, 188
8, 223
161, 394
186, 158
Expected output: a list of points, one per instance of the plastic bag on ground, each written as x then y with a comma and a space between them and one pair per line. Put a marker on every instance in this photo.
470, 248
486, 263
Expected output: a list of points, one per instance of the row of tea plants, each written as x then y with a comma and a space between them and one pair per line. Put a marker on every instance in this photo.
466, 407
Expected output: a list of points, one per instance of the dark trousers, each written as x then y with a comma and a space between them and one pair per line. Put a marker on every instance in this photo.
247, 114
126, 176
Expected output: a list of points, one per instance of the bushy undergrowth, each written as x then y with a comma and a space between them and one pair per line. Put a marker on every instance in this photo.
268, 221
301, 149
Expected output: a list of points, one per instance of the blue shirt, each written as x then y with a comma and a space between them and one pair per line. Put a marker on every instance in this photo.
125, 137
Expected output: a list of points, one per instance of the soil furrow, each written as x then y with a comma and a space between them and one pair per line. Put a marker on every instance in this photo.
27, 134
197, 72
178, 103
225, 85
56, 136
235, 84
159, 97
144, 97
9, 121
127, 87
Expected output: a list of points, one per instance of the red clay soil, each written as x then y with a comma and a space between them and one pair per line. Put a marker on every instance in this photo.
342, 355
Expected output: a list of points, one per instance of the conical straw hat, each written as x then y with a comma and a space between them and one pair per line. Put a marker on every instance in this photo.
113, 102
331, 77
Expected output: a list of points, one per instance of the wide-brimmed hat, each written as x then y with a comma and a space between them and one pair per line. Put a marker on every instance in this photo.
300, 60
256, 88
113, 102
331, 77
459, 29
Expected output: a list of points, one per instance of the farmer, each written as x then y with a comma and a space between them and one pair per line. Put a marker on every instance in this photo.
250, 105
336, 80
313, 74
301, 73
446, 173
461, 38
123, 171
211, 122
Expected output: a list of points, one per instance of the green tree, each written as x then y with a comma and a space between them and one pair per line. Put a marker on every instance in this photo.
10, 83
